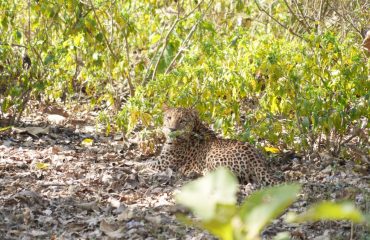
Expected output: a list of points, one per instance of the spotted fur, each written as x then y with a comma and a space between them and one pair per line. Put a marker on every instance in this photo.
193, 148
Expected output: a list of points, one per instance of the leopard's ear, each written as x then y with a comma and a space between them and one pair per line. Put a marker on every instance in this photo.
195, 113
165, 107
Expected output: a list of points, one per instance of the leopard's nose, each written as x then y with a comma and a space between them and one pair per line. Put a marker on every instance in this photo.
172, 129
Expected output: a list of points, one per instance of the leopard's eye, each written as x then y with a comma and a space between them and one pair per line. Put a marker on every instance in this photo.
182, 120
168, 117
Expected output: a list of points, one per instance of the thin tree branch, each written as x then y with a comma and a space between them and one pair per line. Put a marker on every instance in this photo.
319, 17
23, 46
33, 49
193, 10
302, 14
166, 39
295, 15
146, 77
346, 19
129, 80
278, 22
29, 22
185, 42
164, 46
101, 29
13, 45
182, 47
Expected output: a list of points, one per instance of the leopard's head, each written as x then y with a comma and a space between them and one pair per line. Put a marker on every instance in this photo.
178, 123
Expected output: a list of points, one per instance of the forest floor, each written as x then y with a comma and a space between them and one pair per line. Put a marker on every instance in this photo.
59, 179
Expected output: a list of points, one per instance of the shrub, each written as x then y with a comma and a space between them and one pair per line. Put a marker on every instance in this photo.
308, 93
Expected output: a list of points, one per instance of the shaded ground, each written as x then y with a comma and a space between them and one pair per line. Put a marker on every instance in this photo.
60, 186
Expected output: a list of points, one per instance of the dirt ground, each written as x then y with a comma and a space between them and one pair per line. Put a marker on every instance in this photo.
59, 179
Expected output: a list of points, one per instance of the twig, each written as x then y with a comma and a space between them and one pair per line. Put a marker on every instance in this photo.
166, 39
354, 134
347, 20
129, 81
303, 15
101, 28
277, 21
132, 90
177, 20
29, 22
185, 42
33, 49
51, 184
146, 77
195, 8
319, 17
364, 157
25, 97
164, 46
111, 21
13, 45
295, 15
182, 47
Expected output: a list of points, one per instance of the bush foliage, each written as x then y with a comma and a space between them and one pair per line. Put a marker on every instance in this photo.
319, 90
306, 75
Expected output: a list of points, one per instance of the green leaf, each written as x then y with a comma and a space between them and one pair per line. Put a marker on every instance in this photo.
18, 35
176, 134
154, 38
221, 225
146, 119
168, 55
272, 149
5, 22
42, 166
48, 59
203, 196
274, 105
87, 142
263, 206
3, 129
99, 37
329, 211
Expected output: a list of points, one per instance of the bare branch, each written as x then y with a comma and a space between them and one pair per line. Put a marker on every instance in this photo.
101, 28
116, 58
146, 77
33, 49
164, 46
129, 80
303, 23
278, 22
166, 39
13, 45
302, 14
345, 18
193, 10
185, 42
29, 23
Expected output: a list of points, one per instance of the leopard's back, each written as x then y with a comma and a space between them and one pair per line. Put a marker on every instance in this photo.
243, 159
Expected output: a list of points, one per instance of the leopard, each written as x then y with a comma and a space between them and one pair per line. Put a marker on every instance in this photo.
194, 149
